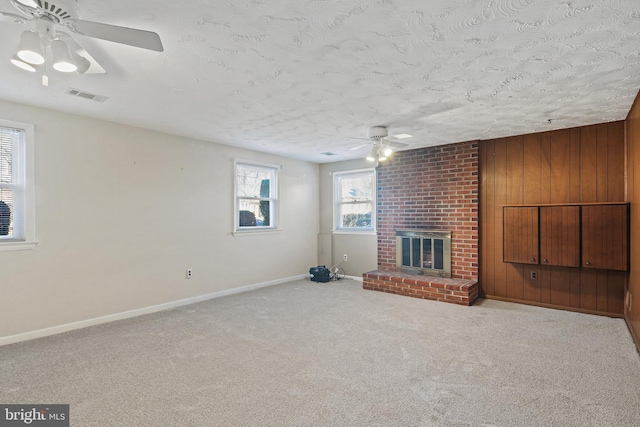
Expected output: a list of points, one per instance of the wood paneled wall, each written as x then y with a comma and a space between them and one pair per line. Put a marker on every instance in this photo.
632, 312
579, 165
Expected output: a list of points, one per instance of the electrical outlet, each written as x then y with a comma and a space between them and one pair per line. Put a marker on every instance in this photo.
189, 273
534, 275
344, 257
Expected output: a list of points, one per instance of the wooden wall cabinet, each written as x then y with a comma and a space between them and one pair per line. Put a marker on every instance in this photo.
592, 236
560, 236
520, 234
605, 237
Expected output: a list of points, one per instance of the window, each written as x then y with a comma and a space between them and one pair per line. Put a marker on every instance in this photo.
256, 196
354, 200
16, 185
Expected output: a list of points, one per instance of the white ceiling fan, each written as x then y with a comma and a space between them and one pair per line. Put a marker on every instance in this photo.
54, 21
382, 144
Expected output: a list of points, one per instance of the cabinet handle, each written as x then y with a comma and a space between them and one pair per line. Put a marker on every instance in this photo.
587, 263
533, 260
545, 260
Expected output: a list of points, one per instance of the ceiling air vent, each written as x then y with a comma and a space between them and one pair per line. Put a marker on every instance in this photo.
329, 153
86, 95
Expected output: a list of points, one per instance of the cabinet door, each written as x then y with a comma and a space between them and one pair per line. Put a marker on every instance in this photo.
520, 235
560, 236
605, 237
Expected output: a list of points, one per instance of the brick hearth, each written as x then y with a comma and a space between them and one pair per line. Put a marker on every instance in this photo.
455, 291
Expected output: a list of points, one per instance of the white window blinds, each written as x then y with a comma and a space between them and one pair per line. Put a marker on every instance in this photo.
12, 183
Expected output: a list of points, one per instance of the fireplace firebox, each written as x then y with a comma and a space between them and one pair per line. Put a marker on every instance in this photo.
424, 252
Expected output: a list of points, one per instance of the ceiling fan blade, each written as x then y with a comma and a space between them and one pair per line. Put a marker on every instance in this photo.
113, 33
10, 17
359, 147
395, 144
31, 11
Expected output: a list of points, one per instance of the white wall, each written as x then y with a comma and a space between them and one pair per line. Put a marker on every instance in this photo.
122, 212
361, 249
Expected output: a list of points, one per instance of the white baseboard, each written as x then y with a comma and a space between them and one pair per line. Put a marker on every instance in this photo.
11, 339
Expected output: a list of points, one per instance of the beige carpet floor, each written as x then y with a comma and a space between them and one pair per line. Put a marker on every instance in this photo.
309, 354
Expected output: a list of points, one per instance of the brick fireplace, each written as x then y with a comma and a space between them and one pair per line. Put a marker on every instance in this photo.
434, 188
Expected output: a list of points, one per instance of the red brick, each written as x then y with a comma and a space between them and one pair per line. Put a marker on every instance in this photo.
432, 288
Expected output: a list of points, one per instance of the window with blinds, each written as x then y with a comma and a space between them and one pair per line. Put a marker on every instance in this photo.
354, 194
256, 188
12, 183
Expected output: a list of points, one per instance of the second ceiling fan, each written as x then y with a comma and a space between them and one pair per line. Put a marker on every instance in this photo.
382, 144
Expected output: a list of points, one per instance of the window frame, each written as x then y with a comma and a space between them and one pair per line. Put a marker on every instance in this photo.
337, 202
26, 239
273, 199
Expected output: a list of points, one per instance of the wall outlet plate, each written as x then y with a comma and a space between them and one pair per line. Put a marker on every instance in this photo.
189, 273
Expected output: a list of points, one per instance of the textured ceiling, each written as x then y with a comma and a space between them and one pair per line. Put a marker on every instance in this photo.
299, 78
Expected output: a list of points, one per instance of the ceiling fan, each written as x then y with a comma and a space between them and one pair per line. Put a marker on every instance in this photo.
67, 55
382, 144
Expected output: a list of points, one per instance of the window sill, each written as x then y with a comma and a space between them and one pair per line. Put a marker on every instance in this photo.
254, 232
16, 245
356, 232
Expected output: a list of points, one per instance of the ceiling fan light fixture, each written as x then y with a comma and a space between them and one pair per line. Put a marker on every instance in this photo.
22, 65
30, 48
387, 151
81, 62
62, 60
372, 155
